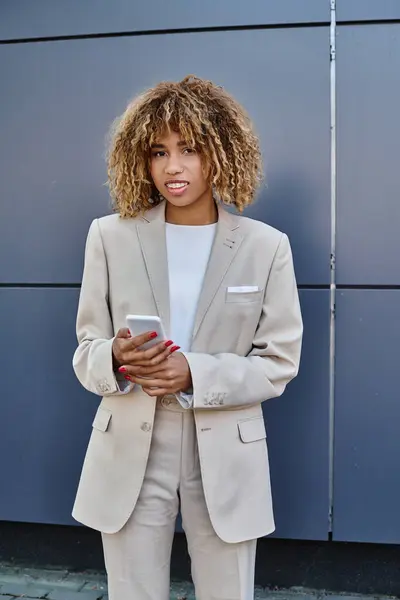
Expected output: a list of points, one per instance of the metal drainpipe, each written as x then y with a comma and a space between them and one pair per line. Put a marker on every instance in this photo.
332, 259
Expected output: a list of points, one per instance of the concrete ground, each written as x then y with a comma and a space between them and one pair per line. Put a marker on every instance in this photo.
50, 584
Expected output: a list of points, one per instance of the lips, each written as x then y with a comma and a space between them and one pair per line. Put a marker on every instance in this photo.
176, 183
176, 186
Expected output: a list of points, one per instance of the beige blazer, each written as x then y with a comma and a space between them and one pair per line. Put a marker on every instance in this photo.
245, 349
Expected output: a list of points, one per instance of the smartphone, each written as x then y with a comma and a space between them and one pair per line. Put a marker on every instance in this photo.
138, 324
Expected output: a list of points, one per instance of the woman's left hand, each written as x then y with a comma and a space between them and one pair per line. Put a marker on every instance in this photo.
170, 377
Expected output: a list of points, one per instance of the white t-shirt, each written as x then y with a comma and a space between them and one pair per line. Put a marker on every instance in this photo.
188, 251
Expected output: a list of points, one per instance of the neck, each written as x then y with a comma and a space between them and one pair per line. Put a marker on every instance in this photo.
198, 213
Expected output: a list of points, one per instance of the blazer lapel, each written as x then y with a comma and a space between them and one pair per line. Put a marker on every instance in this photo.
226, 244
152, 239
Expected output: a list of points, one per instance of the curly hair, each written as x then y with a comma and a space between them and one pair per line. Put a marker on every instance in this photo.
206, 117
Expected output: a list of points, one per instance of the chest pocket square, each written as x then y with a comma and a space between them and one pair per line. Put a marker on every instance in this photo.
243, 293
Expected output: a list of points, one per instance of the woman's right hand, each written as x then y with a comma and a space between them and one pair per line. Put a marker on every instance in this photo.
126, 350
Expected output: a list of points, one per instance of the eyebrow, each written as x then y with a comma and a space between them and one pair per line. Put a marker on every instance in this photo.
161, 146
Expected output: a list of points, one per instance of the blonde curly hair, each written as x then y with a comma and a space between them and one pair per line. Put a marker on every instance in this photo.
208, 119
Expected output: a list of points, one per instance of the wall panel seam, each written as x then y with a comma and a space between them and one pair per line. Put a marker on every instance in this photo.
332, 332
182, 30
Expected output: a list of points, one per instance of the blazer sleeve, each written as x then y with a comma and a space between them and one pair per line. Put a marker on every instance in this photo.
228, 381
93, 361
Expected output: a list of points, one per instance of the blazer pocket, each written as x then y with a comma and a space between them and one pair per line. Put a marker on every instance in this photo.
252, 430
102, 419
243, 297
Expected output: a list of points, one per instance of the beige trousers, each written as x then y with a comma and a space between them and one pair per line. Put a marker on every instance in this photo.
137, 558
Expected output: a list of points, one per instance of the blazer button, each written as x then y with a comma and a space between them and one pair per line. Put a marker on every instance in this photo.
145, 427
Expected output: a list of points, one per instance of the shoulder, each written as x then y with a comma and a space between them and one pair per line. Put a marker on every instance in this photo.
111, 229
259, 230
112, 222
115, 222
264, 241
112, 225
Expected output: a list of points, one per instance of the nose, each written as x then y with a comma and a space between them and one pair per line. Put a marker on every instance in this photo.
173, 166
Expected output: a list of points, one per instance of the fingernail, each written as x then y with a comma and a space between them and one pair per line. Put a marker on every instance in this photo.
122, 370
169, 343
128, 378
175, 348
153, 335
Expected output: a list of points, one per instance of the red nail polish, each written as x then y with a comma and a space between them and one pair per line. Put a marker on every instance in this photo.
169, 343
153, 335
122, 370
128, 378
175, 348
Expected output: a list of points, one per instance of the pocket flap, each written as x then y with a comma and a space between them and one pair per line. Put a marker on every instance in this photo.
102, 419
251, 430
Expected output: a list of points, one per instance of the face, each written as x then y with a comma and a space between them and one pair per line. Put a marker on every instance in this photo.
177, 172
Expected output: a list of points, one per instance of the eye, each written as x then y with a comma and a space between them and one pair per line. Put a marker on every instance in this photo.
158, 153
189, 151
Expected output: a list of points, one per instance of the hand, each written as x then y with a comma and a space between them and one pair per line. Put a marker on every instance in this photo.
169, 377
126, 350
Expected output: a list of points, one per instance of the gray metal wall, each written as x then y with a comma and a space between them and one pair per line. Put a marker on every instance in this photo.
59, 93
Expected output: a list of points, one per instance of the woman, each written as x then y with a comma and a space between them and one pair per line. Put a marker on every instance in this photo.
183, 429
